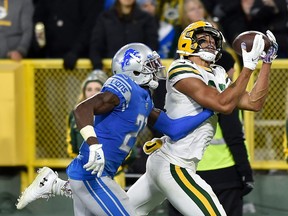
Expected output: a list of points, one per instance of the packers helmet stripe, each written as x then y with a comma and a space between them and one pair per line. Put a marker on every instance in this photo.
194, 191
182, 69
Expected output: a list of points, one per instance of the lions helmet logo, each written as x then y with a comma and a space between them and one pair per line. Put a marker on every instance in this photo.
128, 55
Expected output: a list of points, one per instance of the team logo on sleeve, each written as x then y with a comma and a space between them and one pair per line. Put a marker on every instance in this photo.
129, 54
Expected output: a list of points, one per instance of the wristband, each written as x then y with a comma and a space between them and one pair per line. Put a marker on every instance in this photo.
87, 131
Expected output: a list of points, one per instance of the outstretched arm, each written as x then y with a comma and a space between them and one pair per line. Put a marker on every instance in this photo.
226, 101
177, 128
255, 99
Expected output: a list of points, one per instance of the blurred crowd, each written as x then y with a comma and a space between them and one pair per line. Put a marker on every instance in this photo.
96, 29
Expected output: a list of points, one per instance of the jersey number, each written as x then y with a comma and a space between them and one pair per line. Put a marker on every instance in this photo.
140, 122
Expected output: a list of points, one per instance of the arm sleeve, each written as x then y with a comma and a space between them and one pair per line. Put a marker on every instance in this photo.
179, 128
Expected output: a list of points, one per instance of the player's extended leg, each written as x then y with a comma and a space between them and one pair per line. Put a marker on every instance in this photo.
144, 194
188, 192
100, 196
184, 189
45, 185
79, 207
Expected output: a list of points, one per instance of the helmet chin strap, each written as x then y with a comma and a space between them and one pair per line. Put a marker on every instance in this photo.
153, 84
206, 56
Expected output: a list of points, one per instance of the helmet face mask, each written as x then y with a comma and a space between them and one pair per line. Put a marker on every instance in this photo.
154, 65
188, 43
140, 63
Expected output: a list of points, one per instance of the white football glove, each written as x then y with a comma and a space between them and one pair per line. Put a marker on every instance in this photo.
150, 146
272, 51
96, 160
250, 59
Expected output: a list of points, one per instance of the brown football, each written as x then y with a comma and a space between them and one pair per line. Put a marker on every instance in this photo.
248, 38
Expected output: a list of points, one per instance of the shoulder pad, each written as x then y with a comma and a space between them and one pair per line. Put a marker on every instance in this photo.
119, 84
215, 66
182, 66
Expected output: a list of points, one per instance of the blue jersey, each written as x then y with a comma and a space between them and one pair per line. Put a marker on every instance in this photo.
116, 131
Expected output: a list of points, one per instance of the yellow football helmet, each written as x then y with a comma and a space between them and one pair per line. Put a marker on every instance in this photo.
188, 44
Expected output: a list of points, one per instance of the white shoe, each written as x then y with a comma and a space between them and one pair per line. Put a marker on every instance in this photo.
41, 187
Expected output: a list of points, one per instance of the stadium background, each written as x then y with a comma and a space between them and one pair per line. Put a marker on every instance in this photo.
37, 95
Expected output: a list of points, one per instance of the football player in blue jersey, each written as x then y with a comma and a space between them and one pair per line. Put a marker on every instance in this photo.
109, 123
